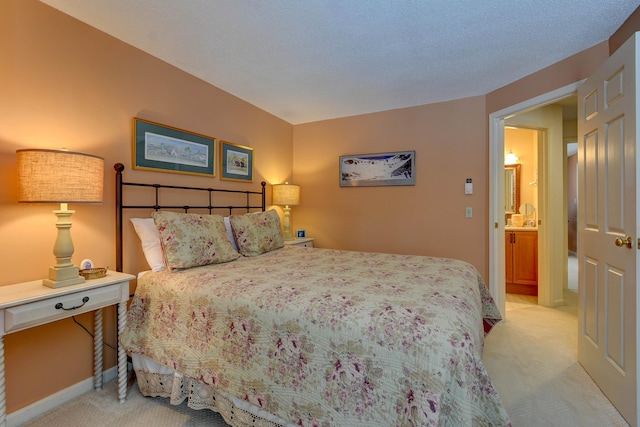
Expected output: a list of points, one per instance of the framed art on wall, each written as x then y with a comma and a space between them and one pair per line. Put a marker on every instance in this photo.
396, 168
236, 162
165, 148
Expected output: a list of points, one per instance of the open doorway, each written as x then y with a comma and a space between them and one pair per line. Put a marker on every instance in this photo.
521, 211
552, 194
524, 144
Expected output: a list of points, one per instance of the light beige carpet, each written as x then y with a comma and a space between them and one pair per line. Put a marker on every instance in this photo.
102, 409
532, 358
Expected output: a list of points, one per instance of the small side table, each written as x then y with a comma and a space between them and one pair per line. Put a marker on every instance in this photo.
306, 242
29, 304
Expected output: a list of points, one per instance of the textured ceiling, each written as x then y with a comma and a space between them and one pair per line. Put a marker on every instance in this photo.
309, 60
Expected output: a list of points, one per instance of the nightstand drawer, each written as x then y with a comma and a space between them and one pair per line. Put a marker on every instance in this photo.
41, 312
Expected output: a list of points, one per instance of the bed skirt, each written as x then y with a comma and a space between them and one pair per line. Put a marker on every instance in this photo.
155, 380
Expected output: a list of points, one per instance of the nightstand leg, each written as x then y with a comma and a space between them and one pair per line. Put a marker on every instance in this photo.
3, 396
122, 354
97, 350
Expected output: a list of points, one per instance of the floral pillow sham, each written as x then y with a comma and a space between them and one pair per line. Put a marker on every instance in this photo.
193, 240
257, 233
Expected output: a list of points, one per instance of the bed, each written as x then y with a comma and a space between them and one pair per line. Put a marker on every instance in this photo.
273, 335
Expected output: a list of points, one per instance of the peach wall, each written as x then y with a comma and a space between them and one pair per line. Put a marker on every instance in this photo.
65, 84
451, 140
425, 219
563, 73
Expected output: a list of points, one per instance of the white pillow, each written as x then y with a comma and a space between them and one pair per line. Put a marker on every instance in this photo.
227, 224
150, 239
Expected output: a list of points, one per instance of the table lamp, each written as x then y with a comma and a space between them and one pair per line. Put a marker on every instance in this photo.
286, 195
57, 176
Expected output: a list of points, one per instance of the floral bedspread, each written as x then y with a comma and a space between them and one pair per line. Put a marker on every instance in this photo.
323, 337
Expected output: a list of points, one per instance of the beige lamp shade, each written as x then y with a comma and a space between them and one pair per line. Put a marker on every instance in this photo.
286, 194
52, 176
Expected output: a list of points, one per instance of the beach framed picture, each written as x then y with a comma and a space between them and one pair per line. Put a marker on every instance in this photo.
165, 148
236, 162
394, 168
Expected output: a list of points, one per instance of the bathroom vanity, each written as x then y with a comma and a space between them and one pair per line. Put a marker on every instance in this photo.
521, 251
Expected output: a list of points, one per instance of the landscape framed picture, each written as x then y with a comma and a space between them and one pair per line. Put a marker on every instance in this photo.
394, 168
236, 162
165, 148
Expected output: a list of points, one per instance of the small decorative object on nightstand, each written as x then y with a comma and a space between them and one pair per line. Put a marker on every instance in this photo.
306, 242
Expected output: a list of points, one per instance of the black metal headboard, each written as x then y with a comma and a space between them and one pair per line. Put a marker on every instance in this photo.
120, 184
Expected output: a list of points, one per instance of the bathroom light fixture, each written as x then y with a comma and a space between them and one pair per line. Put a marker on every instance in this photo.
511, 158
56, 176
286, 195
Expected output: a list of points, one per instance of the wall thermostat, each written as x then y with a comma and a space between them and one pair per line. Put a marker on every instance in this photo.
468, 186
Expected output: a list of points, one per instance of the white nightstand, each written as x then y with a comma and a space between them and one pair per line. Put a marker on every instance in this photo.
306, 242
29, 304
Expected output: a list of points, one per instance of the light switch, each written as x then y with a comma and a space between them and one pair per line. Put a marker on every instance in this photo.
468, 212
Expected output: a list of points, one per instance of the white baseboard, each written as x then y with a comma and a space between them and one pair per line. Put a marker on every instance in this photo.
42, 406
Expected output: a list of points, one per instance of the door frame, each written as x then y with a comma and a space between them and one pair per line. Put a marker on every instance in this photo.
496, 194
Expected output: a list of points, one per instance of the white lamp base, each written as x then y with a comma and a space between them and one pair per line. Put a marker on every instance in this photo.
287, 223
64, 273
61, 277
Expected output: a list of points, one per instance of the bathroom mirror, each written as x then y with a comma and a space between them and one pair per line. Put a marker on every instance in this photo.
527, 209
511, 188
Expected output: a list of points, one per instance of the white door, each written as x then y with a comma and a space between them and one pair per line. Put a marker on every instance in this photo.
607, 234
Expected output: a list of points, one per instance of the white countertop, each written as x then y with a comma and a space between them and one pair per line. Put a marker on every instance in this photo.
523, 228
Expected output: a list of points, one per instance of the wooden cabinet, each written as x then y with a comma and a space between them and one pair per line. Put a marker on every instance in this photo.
521, 262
